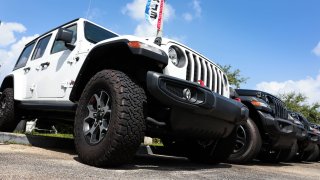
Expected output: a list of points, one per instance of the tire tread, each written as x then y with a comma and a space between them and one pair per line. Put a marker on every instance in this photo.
130, 123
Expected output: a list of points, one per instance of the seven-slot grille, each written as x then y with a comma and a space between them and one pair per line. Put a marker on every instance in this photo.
279, 108
201, 69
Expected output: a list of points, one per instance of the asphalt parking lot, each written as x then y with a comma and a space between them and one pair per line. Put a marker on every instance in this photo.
27, 162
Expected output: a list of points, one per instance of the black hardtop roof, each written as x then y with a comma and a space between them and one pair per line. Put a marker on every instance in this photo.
301, 116
52, 30
296, 113
316, 125
251, 92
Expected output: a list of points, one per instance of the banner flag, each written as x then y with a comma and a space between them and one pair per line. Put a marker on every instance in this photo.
154, 12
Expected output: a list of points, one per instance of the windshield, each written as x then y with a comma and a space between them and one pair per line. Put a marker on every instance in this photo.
96, 34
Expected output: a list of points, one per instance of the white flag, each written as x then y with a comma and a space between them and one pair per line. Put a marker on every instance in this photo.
154, 12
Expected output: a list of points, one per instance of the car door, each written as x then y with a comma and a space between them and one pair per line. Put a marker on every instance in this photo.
23, 73
58, 78
38, 64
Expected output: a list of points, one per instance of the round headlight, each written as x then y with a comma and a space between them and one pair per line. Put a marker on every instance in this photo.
173, 56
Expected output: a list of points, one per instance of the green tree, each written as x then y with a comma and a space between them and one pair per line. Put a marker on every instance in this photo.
297, 102
234, 75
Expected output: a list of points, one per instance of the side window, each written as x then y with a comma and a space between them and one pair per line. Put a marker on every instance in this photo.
41, 47
96, 34
22, 61
59, 45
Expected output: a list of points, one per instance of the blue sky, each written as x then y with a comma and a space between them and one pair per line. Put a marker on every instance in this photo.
273, 42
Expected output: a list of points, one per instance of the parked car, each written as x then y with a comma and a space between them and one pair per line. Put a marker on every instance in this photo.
316, 128
268, 134
117, 89
308, 149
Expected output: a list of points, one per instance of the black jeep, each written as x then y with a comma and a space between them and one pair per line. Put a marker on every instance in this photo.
316, 129
269, 133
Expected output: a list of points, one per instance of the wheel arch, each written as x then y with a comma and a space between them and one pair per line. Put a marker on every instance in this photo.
8, 82
254, 115
117, 56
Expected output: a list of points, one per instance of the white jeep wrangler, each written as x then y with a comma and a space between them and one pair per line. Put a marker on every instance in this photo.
117, 89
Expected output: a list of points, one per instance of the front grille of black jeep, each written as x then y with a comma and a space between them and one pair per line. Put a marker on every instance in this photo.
200, 68
278, 107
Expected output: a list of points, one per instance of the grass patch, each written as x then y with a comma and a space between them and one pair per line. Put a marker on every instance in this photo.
59, 135
156, 144
67, 136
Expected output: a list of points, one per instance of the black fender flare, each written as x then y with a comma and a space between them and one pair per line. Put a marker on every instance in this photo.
8, 81
254, 112
114, 52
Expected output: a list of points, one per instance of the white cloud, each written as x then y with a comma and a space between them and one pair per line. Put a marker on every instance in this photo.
316, 50
188, 17
197, 10
308, 86
145, 29
136, 11
10, 52
9, 57
7, 31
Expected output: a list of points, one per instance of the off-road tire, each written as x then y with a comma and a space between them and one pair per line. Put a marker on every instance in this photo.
319, 153
289, 154
312, 155
8, 112
216, 152
282, 155
252, 146
127, 122
267, 157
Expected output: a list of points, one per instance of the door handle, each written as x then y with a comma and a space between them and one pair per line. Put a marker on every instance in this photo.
45, 64
27, 69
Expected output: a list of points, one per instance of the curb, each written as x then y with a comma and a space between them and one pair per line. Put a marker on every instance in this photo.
52, 142
14, 138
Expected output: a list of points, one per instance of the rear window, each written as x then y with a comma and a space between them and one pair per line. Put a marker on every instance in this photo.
22, 61
41, 47
96, 34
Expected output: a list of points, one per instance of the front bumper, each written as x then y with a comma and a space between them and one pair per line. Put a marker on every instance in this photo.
282, 133
309, 142
196, 111
301, 132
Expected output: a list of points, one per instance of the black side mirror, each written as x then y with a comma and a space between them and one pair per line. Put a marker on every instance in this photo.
65, 35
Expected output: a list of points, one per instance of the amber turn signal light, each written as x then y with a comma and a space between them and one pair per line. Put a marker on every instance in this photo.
134, 44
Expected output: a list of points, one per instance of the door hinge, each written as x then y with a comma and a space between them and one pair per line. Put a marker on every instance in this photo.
67, 84
32, 87
73, 60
